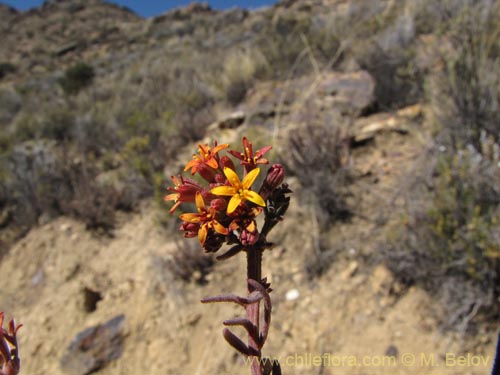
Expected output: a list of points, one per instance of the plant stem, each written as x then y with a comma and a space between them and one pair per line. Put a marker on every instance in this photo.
254, 272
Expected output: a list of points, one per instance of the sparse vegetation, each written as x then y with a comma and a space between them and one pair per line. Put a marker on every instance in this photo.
465, 95
449, 242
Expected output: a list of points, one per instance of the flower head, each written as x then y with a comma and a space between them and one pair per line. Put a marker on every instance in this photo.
205, 218
247, 157
9, 355
239, 190
184, 190
207, 158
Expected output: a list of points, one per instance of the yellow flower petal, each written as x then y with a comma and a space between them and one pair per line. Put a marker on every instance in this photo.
202, 234
252, 196
190, 218
200, 203
233, 203
219, 228
232, 177
172, 197
250, 178
224, 190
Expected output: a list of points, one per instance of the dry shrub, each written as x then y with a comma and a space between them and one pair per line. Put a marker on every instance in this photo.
465, 95
190, 263
42, 179
317, 153
90, 202
450, 241
239, 72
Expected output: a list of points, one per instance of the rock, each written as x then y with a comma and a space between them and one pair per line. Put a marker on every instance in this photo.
94, 348
65, 228
376, 125
382, 280
391, 351
292, 295
232, 121
353, 92
350, 271
367, 128
68, 47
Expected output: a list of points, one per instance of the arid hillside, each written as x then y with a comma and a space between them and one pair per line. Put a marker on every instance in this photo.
384, 116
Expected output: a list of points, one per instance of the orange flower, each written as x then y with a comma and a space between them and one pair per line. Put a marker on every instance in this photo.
184, 190
248, 158
206, 218
206, 157
239, 190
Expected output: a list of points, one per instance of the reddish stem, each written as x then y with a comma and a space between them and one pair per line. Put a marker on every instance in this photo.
254, 272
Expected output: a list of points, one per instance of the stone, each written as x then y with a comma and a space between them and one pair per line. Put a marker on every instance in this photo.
232, 121
354, 92
366, 129
93, 348
391, 351
382, 280
350, 271
292, 295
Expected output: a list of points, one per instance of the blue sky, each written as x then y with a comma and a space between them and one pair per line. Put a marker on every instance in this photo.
148, 8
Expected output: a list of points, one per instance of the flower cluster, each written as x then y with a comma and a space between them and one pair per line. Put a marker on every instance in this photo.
228, 205
9, 352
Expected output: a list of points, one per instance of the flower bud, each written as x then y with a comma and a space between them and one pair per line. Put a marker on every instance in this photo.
219, 204
190, 229
274, 178
207, 172
226, 162
248, 238
220, 179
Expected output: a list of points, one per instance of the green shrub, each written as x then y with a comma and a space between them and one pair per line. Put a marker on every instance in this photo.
77, 77
6, 68
450, 242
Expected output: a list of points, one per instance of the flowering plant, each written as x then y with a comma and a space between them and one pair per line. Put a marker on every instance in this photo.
228, 208
10, 363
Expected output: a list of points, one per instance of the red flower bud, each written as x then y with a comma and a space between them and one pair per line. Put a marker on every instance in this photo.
226, 162
190, 229
274, 178
207, 172
248, 238
219, 204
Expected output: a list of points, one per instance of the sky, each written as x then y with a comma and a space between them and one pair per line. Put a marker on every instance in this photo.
150, 8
